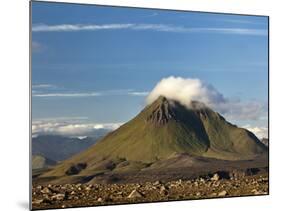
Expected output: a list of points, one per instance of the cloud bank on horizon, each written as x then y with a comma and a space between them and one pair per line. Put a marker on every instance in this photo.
70, 127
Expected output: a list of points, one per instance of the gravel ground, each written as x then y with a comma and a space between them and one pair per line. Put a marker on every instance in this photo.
77, 195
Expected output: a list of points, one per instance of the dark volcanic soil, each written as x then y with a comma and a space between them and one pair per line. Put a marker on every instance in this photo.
213, 186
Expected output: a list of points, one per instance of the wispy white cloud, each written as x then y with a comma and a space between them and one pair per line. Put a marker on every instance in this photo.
81, 94
117, 92
151, 27
243, 110
239, 21
62, 118
78, 27
152, 15
38, 86
138, 93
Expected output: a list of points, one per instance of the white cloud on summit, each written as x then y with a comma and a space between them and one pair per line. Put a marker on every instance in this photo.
186, 90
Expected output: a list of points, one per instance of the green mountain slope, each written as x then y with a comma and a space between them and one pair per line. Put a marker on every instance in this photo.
40, 162
161, 130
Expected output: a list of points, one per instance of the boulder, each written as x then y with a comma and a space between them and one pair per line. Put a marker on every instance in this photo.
222, 193
58, 197
215, 177
135, 194
46, 190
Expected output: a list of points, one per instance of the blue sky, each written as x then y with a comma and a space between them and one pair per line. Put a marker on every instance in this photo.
99, 63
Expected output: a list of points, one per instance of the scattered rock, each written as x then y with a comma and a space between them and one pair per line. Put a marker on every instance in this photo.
46, 190
216, 184
202, 180
135, 194
37, 201
214, 194
71, 195
215, 177
179, 182
58, 197
256, 192
88, 188
39, 187
47, 201
157, 183
163, 190
222, 193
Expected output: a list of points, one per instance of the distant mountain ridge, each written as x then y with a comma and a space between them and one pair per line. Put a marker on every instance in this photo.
162, 130
58, 148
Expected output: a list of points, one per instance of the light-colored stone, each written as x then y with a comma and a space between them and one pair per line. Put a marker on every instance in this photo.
88, 188
163, 190
214, 194
215, 177
202, 180
46, 190
58, 197
222, 193
37, 201
135, 194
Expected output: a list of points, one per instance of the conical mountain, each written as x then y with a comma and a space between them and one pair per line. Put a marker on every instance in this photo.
163, 129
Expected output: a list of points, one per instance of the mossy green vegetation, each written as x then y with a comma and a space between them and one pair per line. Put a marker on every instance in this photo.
162, 129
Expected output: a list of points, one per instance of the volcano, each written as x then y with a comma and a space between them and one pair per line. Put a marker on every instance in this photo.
163, 133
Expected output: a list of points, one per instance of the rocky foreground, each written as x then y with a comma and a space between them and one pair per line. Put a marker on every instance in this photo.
77, 195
